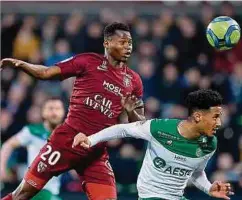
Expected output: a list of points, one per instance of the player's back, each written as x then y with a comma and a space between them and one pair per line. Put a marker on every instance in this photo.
95, 102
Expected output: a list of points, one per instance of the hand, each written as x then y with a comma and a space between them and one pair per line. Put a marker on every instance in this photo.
82, 140
10, 62
220, 190
129, 102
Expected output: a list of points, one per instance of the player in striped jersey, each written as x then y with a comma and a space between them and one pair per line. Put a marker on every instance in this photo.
177, 150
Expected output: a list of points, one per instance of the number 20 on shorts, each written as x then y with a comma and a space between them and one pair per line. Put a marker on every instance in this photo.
54, 156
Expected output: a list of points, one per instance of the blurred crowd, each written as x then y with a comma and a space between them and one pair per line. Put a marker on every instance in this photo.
172, 56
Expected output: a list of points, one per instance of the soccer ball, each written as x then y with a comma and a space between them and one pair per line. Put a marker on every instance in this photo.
223, 33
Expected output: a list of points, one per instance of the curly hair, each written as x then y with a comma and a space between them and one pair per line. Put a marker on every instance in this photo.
202, 100
111, 28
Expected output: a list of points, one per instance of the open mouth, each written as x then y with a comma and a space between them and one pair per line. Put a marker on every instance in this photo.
127, 54
215, 130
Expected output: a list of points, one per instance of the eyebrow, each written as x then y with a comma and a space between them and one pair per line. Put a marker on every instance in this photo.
125, 38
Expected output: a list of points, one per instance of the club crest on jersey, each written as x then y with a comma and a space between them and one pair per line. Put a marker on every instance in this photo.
126, 81
103, 66
199, 152
41, 167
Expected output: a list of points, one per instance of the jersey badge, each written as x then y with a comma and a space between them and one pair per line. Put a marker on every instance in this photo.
41, 167
103, 66
126, 81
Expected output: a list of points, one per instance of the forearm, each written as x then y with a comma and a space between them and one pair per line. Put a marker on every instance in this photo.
199, 179
134, 116
37, 71
136, 130
6, 151
113, 132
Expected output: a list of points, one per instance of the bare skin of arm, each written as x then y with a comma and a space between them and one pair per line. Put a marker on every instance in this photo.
133, 108
136, 115
6, 151
38, 71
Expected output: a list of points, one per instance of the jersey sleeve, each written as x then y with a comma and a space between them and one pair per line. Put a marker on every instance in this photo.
140, 129
73, 66
199, 177
138, 90
24, 136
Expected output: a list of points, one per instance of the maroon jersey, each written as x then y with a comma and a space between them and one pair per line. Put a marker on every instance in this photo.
96, 97
95, 104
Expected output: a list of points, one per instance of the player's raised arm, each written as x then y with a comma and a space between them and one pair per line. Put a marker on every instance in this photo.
140, 129
37, 71
62, 70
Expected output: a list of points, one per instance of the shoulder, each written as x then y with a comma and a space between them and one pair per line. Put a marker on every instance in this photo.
25, 130
164, 128
134, 74
89, 56
36, 129
165, 125
212, 143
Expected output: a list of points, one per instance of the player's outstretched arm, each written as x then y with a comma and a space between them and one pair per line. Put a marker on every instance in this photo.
217, 189
6, 150
139, 129
37, 71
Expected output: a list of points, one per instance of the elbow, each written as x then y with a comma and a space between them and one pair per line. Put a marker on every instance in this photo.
7, 146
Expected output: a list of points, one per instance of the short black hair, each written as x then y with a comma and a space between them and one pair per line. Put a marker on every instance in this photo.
110, 29
202, 100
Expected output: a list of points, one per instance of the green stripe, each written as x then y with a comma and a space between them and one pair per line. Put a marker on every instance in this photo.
39, 131
166, 133
46, 195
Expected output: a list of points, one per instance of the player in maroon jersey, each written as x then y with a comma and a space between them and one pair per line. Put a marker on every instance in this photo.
103, 89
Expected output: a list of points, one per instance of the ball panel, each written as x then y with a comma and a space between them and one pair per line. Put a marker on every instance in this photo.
219, 28
213, 38
222, 18
210, 40
234, 37
224, 48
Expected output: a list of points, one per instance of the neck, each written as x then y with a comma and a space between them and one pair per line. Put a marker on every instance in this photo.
114, 62
50, 127
188, 130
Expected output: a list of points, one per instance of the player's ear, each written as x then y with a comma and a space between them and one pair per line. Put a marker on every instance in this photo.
197, 116
106, 43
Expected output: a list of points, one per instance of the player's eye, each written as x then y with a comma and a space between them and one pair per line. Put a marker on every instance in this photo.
216, 116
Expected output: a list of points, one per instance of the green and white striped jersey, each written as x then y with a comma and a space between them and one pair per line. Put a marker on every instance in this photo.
170, 159
34, 137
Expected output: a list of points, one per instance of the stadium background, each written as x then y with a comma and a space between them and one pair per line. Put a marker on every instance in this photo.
171, 54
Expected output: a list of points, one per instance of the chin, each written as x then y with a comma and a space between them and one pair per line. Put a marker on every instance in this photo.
124, 59
55, 123
210, 134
